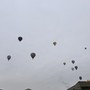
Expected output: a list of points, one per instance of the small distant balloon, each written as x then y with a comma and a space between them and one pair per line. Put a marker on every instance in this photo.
76, 67
33, 55
54, 43
72, 69
8, 57
64, 63
80, 77
73, 61
85, 48
20, 38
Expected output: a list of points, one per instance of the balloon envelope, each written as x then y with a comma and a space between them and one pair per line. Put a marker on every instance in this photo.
64, 63
8, 57
33, 55
54, 43
80, 77
73, 61
20, 38
72, 69
76, 67
85, 48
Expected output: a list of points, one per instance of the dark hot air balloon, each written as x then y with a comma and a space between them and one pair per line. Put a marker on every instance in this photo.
20, 38
73, 61
33, 55
85, 48
72, 69
80, 77
54, 43
64, 63
8, 57
76, 67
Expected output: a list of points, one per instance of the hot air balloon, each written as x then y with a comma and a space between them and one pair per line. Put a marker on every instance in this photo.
20, 38
73, 61
8, 57
85, 48
64, 63
54, 43
72, 69
80, 77
76, 67
33, 55
28, 89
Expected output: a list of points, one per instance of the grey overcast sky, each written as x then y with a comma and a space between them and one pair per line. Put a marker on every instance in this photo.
40, 22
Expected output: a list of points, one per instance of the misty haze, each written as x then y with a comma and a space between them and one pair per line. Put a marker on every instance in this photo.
44, 44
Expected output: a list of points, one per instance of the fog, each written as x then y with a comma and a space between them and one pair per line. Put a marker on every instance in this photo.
40, 23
